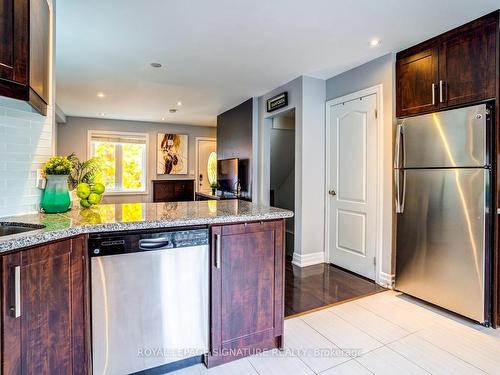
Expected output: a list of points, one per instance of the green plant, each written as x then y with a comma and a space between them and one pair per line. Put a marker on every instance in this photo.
57, 165
83, 171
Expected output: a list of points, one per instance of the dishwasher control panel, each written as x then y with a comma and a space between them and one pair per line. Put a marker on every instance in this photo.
104, 244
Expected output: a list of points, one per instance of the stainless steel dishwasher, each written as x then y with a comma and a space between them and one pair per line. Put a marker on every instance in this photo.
149, 293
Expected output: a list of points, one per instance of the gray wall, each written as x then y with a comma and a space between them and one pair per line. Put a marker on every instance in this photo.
283, 176
234, 135
370, 74
307, 96
380, 71
72, 137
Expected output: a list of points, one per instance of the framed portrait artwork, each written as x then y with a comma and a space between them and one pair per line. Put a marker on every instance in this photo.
172, 151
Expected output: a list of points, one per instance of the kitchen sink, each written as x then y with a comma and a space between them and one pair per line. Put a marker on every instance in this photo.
7, 229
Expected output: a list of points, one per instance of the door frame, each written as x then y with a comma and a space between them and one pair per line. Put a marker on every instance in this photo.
378, 91
196, 152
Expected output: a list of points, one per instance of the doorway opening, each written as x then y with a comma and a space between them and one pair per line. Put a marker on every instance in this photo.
282, 170
204, 148
352, 209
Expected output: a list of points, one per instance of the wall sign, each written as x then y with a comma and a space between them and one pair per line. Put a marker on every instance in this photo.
277, 102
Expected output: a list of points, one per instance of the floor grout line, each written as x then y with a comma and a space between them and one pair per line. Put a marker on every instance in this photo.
381, 316
326, 338
408, 359
454, 355
358, 328
338, 346
252, 366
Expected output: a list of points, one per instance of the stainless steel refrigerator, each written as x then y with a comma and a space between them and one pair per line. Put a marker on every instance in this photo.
443, 205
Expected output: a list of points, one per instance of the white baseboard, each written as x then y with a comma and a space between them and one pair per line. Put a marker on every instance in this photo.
386, 280
308, 259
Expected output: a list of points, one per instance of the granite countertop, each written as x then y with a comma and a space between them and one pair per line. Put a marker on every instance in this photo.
133, 216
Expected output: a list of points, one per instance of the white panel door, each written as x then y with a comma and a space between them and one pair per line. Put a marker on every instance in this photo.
353, 185
205, 148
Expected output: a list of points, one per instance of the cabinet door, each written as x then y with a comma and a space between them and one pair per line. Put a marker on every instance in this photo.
184, 190
39, 51
467, 66
44, 315
163, 191
416, 83
14, 41
246, 290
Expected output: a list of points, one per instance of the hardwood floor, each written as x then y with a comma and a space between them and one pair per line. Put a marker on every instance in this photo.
313, 287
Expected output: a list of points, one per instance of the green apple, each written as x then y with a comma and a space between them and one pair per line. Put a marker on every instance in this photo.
98, 188
94, 198
83, 190
85, 203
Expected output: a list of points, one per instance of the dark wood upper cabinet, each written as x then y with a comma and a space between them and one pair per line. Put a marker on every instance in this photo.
44, 315
467, 65
417, 76
453, 69
25, 51
247, 274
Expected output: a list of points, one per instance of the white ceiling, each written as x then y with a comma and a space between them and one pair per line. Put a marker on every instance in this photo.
218, 53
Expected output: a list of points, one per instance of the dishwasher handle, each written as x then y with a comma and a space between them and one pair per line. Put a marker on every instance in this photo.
158, 243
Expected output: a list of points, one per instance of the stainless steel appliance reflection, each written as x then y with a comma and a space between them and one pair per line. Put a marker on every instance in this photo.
443, 203
149, 300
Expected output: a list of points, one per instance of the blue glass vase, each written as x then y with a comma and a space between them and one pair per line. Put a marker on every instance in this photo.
56, 195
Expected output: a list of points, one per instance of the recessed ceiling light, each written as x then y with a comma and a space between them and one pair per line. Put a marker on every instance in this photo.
179, 103
172, 110
102, 114
100, 95
155, 65
374, 42
163, 119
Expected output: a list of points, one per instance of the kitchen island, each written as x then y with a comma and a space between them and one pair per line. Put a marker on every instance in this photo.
47, 282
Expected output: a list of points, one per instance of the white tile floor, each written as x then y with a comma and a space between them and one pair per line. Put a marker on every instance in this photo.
386, 333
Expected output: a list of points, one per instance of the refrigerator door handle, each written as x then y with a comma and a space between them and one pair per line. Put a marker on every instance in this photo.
400, 190
399, 147
403, 193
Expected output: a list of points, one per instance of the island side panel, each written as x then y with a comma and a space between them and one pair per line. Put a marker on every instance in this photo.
247, 307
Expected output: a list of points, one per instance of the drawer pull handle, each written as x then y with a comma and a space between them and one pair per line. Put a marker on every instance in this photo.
217, 250
15, 305
441, 89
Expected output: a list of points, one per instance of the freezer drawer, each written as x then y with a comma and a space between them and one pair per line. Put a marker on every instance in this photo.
455, 138
441, 246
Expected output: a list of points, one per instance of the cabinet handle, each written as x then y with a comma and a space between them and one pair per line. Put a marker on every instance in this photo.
217, 250
15, 305
433, 94
441, 95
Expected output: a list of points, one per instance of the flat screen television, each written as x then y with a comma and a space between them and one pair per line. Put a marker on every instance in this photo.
227, 175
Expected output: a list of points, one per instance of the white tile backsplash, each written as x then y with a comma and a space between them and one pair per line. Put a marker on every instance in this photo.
26, 142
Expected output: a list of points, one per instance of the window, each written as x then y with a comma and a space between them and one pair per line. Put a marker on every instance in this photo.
123, 157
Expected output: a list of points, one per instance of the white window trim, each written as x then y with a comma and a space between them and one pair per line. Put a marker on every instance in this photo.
90, 133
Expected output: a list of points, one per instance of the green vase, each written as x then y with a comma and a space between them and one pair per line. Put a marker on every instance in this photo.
56, 196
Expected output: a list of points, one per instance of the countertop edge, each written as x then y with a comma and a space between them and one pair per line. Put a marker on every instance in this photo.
38, 237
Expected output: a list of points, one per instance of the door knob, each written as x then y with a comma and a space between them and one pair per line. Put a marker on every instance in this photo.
332, 192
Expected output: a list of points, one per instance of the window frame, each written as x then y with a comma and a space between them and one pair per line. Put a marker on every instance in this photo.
124, 134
